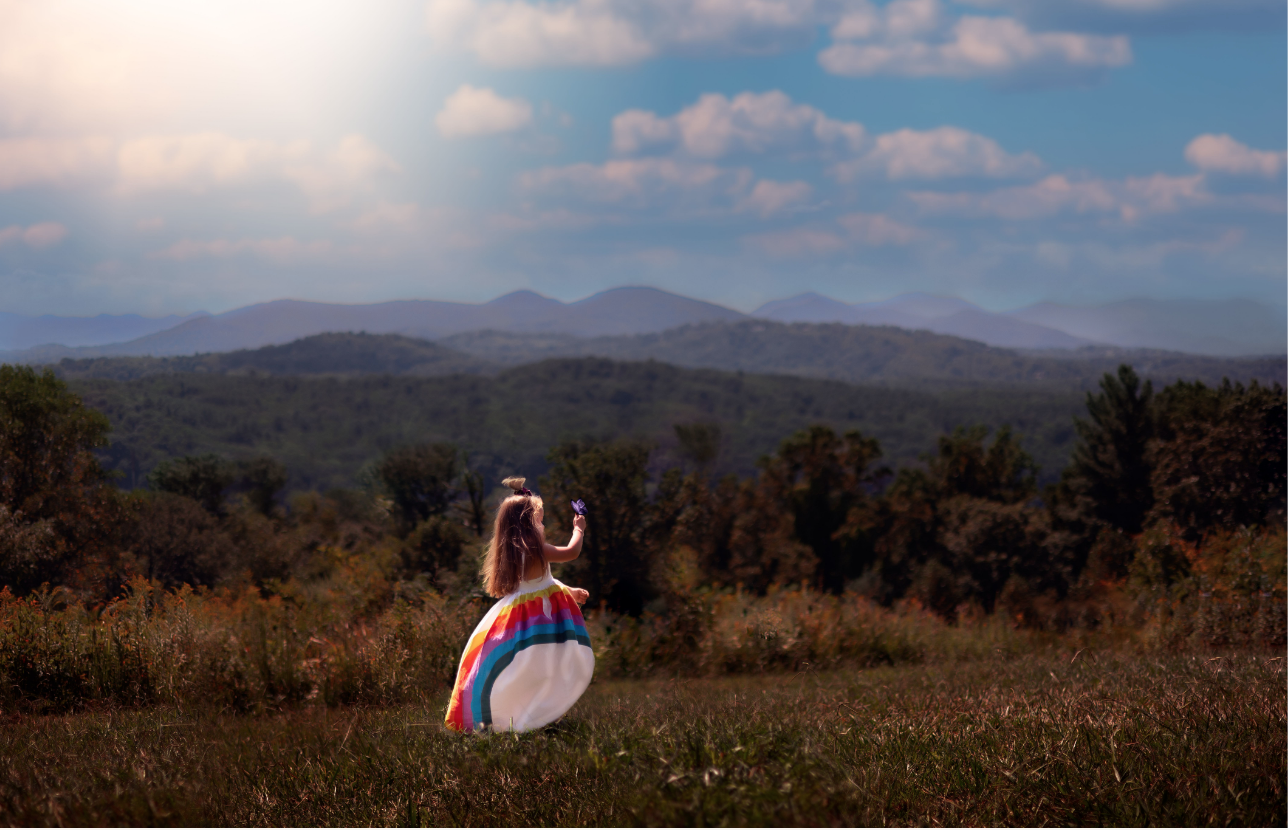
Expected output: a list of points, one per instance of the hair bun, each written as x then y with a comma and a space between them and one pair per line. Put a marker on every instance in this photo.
515, 483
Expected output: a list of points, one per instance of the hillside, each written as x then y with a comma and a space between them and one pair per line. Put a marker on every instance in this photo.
1227, 328
336, 355
867, 354
942, 315
616, 311
326, 429
855, 354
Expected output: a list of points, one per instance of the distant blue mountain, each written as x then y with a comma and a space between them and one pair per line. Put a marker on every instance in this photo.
942, 315
629, 310
18, 331
1215, 327
1224, 328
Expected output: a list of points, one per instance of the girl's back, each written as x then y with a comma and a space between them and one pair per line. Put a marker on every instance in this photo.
529, 659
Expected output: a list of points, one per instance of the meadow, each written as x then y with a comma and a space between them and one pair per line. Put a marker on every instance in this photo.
1090, 737
827, 641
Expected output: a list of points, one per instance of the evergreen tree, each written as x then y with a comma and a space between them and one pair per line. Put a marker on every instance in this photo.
826, 482
1110, 465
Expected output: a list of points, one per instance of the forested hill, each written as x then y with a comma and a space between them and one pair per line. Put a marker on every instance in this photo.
336, 355
868, 354
857, 354
325, 429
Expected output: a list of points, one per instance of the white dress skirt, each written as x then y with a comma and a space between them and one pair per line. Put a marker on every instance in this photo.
527, 662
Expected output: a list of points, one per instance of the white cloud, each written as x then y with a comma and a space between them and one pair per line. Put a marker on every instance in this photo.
1057, 194
869, 230
38, 236
1223, 154
200, 161
633, 130
1136, 6
875, 229
522, 33
639, 182
1147, 16
396, 217
28, 162
769, 197
668, 186
333, 180
61, 70
196, 163
543, 221
901, 19
285, 249
516, 34
473, 111
72, 67
1161, 193
750, 122
908, 38
939, 153
1053, 194
798, 242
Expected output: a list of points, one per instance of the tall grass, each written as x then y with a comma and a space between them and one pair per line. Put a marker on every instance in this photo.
1082, 739
244, 650
247, 649
355, 636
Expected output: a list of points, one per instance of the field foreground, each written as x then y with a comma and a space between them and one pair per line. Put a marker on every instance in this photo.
1096, 739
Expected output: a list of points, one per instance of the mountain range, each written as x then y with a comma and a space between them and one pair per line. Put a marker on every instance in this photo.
1225, 328
21, 332
883, 355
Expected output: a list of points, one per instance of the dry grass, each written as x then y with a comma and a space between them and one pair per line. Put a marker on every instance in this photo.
1034, 740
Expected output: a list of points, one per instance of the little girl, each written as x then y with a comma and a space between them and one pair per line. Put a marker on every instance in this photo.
529, 659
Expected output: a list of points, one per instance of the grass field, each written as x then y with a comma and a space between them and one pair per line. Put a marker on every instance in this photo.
1091, 738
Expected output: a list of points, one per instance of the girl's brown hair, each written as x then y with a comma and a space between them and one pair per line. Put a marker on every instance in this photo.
516, 540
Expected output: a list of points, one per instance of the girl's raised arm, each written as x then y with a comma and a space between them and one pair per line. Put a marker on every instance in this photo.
572, 550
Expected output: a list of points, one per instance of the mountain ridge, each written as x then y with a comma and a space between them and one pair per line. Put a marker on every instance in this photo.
853, 354
1222, 328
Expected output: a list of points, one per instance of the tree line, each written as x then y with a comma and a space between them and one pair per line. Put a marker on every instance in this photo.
1155, 479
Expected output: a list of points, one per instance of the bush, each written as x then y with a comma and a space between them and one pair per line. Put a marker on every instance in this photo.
1227, 590
237, 648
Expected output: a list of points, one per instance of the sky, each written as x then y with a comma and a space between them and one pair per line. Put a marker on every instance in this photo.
161, 157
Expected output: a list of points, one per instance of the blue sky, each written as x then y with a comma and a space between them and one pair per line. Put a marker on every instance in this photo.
159, 157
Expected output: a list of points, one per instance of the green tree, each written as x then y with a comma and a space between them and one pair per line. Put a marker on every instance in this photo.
58, 510
1110, 464
434, 547
739, 532
263, 478
962, 528
203, 478
474, 508
1220, 456
611, 479
421, 480
700, 442
177, 541
826, 483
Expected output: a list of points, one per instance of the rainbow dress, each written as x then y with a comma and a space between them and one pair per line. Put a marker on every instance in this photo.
526, 663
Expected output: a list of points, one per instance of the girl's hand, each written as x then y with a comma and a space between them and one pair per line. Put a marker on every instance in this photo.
580, 594
579, 522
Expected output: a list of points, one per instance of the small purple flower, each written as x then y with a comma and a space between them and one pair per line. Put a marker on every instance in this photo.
579, 507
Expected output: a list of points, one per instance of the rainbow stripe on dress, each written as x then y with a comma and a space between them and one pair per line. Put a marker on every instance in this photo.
534, 644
